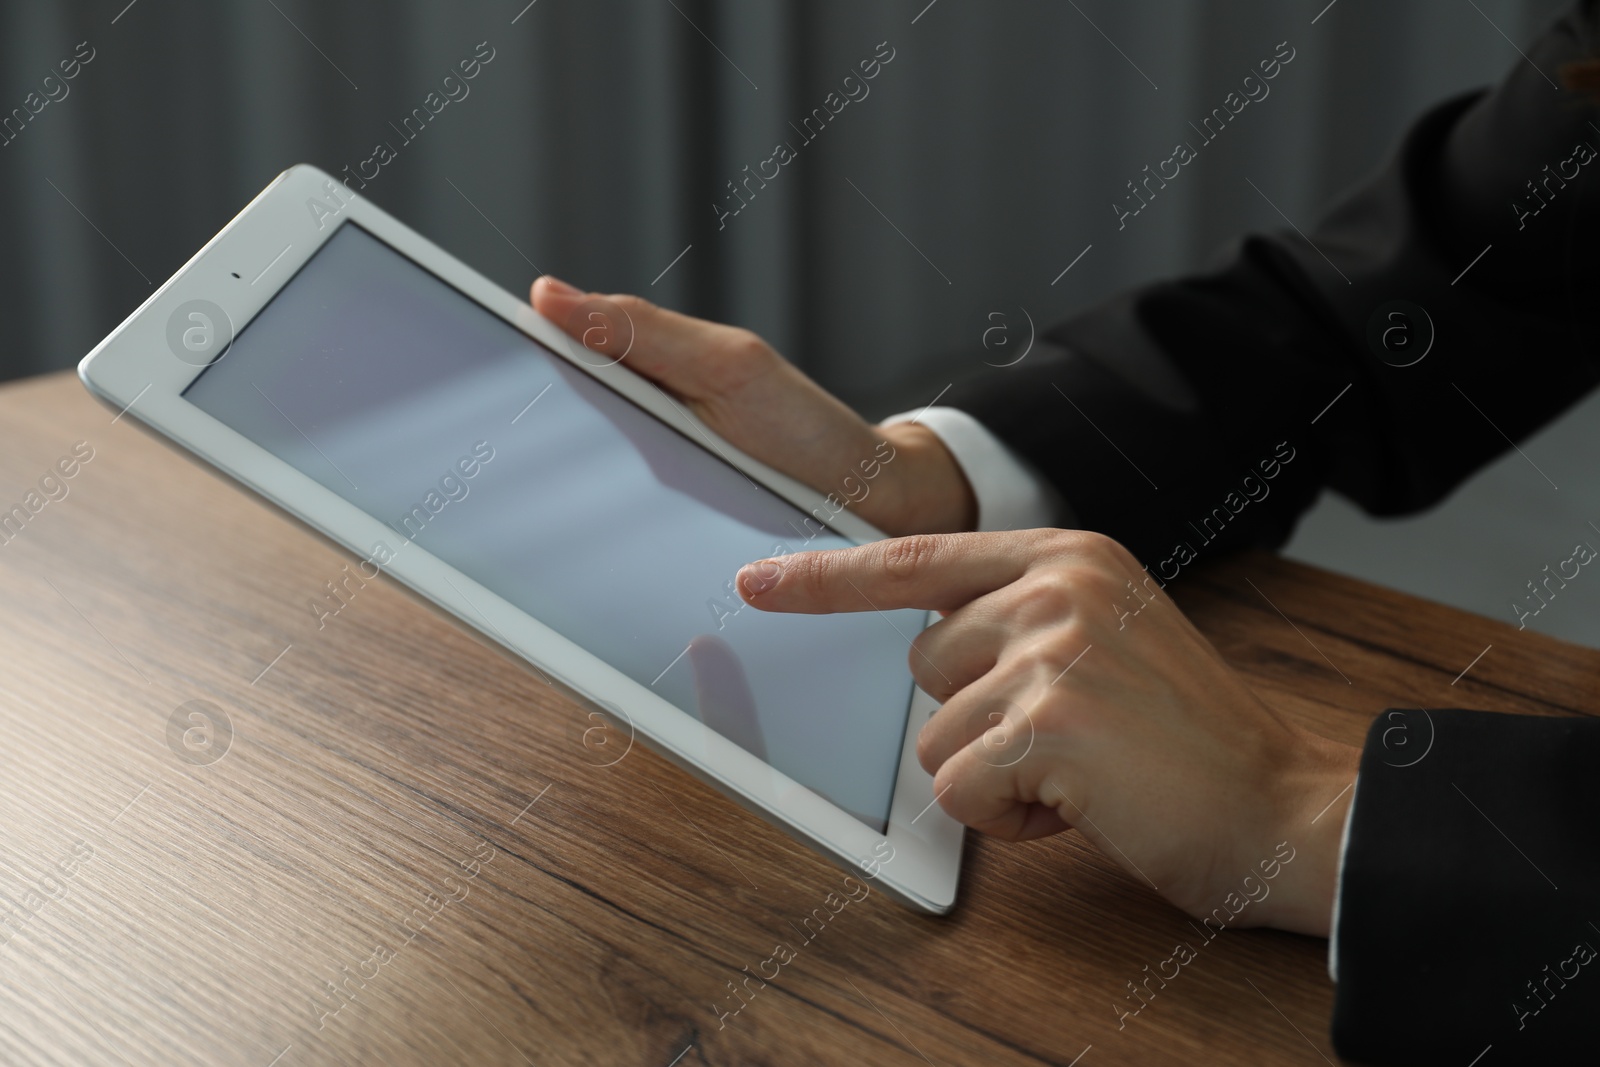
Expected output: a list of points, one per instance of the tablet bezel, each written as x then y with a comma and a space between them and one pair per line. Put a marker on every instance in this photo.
135, 371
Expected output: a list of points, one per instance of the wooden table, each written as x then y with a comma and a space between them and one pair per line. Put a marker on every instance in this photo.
411, 851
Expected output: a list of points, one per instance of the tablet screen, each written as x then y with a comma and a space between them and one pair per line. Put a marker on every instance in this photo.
462, 434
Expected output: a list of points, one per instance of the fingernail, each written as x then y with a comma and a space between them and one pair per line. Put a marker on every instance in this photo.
756, 578
560, 287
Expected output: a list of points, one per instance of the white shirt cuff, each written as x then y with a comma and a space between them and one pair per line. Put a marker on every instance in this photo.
1338, 885
1011, 495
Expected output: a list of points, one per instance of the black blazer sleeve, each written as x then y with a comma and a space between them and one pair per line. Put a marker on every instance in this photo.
1469, 903
1191, 411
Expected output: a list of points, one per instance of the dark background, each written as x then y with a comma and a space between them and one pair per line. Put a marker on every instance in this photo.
594, 145
603, 131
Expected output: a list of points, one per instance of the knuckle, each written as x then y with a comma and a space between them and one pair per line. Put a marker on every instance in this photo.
604, 323
737, 356
1096, 542
1098, 582
1048, 594
1096, 546
629, 304
1058, 543
807, 571
1065, 591
1038, 656
1061, 544
905, 558
1087, 545
929, 681
927, 757
1111, 553
1125, 558
931, 657
824, 577
746, 344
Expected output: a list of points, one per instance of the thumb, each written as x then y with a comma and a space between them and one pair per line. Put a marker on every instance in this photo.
691, 357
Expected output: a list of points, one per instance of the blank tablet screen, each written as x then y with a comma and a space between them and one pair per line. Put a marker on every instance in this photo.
394, 390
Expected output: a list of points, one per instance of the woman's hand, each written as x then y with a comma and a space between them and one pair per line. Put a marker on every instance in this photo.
756, 400
1076, 694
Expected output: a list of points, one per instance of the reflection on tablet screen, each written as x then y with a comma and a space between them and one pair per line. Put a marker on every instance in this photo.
461, 433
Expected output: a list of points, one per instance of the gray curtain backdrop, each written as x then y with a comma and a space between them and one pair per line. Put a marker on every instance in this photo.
983, 159
911, 240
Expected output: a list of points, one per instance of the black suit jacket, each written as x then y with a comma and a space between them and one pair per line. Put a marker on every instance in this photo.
1471, 885
1199, 379
1469, 906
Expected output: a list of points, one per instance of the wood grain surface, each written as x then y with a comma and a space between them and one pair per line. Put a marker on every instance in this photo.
411, 850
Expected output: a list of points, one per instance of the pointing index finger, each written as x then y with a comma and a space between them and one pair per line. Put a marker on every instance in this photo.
927, 571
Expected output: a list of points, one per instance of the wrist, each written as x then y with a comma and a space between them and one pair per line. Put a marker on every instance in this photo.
928, 491
1315, 795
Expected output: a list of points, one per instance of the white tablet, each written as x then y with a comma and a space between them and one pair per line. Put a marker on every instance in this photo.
366, 381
